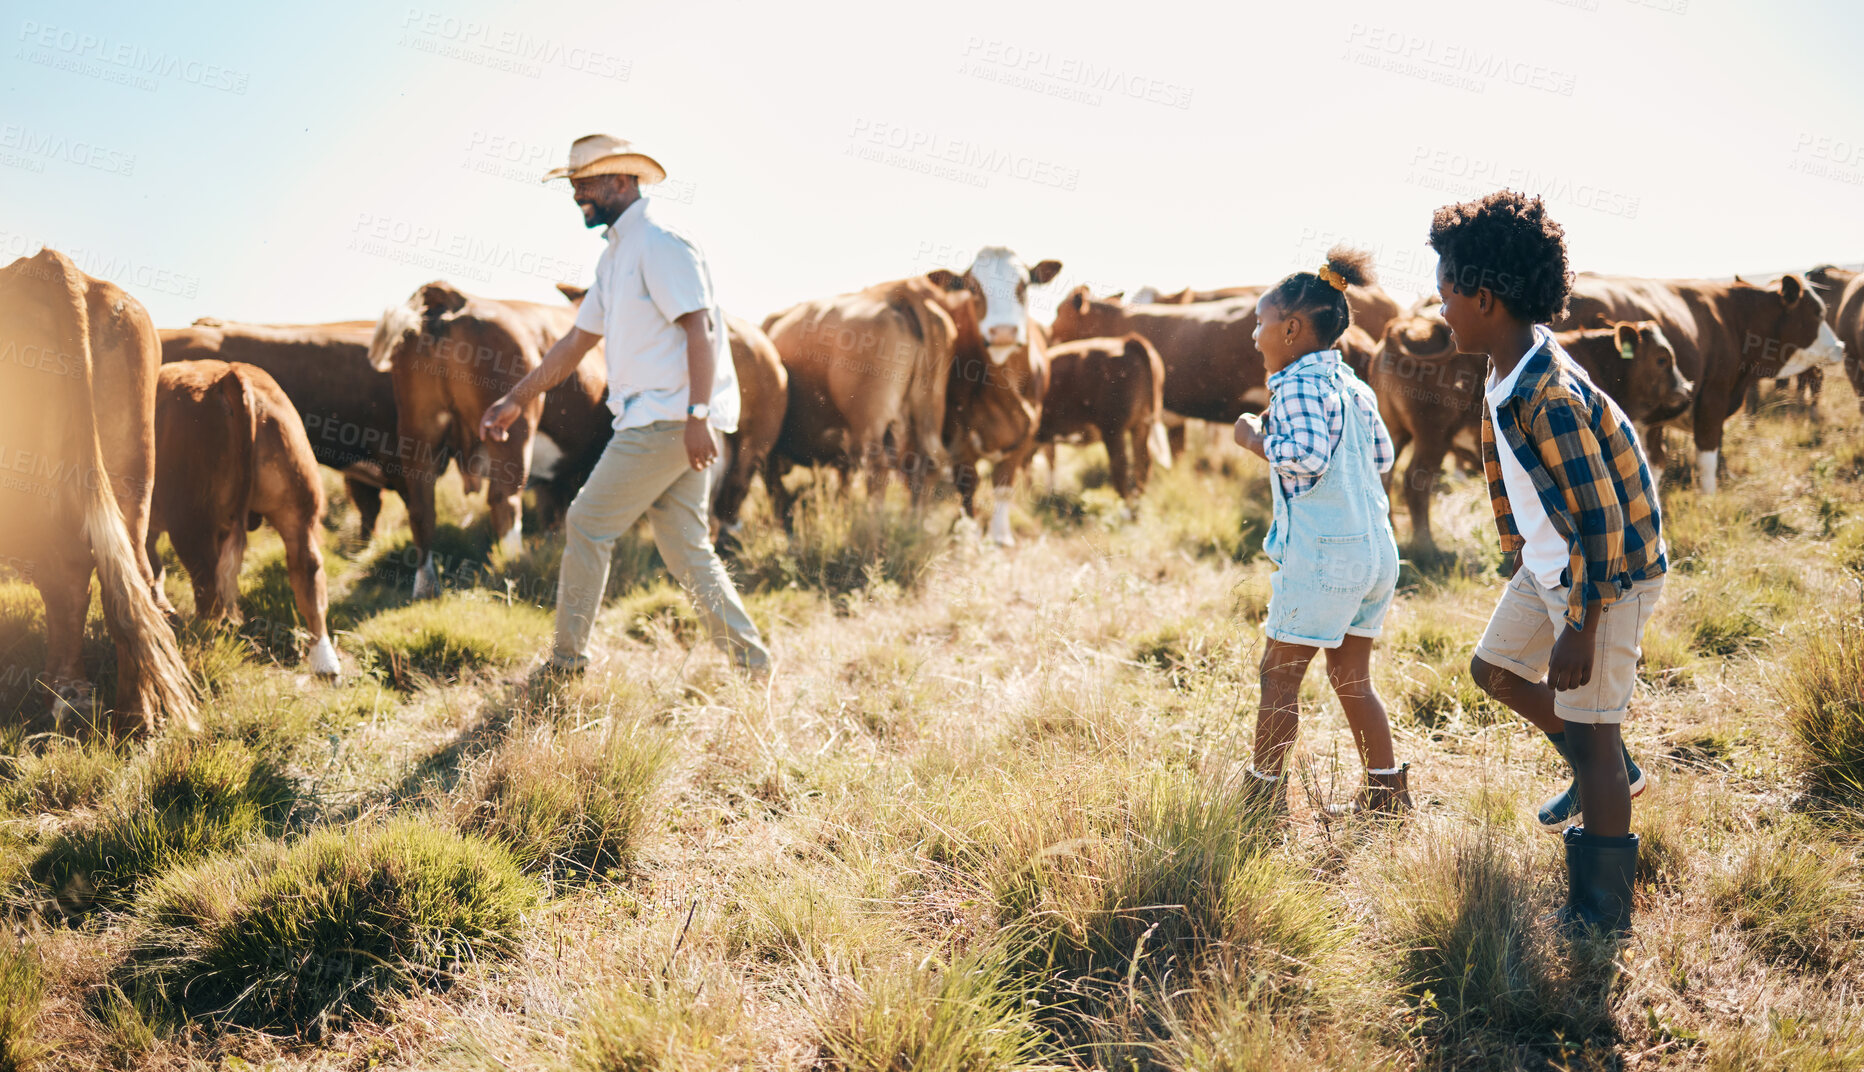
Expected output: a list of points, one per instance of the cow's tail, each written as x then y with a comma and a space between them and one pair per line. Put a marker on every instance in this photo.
1159, 444
164, 685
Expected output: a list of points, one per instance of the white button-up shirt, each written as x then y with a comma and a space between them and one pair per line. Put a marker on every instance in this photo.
1544, 554
648, 277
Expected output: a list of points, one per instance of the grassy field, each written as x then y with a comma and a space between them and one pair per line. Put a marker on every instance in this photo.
986, 817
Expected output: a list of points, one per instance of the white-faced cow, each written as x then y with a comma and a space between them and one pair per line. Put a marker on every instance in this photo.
916, 374
1726, 336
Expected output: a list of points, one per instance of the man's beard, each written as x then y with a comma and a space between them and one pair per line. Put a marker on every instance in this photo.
599, 215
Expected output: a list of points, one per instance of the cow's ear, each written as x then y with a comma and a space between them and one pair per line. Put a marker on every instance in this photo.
1044, 271
1135, 347
1627, 338
571, 291
945, 279
440, 298
1792, 288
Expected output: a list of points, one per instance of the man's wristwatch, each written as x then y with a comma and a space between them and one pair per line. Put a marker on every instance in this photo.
698, 411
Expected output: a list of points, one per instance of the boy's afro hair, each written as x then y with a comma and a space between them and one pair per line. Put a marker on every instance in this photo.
1508, 243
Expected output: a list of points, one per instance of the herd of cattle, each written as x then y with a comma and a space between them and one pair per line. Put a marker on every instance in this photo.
115, 432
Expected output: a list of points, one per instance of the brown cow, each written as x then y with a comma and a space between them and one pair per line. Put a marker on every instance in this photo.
1634, 364
347, 406
1726, 335
868, 373
78, 362
764, 388
1373, 309
1429, 397
452, 355
1112, 390
230, 451
915, 374
999, 376
1432, 397
1213, 371
1842, 291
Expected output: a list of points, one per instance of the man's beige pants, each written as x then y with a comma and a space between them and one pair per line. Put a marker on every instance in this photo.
645, 471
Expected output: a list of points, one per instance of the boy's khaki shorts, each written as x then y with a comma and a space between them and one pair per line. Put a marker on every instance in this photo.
1526, 622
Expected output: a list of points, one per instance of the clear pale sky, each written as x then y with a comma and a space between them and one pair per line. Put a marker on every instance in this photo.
309, 162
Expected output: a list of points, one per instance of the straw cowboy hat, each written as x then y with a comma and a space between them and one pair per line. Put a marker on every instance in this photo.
605, 154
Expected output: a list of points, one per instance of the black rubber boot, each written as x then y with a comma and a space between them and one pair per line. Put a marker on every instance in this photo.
1599, 875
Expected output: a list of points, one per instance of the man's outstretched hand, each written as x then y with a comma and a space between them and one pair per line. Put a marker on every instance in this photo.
499, 417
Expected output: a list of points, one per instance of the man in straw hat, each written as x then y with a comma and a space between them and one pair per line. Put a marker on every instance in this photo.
673, 390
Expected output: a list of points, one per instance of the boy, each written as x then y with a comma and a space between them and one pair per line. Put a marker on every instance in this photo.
1580, 526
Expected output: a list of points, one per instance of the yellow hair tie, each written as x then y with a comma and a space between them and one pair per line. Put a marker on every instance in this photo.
1333, 278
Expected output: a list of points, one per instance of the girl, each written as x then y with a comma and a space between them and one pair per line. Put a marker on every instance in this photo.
1331, 538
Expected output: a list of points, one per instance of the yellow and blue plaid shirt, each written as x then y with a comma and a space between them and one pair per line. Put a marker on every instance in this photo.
1584, 458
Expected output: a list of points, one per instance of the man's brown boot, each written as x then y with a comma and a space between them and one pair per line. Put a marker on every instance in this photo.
1385, 795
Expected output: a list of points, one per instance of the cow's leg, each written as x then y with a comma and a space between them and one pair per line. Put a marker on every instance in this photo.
879, 465
66, 590
964, 474
776, 467
1642, 431
1174, 434
1119, 462
304, 563
505, 466
1002, 489
430, 457
368, 500
731, 484
1711, 408
1655, 453
1142, 457
1401, 438
160, 571
1048, 456
1420, 481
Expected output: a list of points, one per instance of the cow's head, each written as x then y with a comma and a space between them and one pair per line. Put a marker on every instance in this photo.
998, 282
1655, 389
1076, 317
402, 324
1801, 339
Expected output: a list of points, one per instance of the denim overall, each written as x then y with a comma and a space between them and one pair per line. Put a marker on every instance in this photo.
1333, 542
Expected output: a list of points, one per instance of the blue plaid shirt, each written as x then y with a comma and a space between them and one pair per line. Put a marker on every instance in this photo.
1306, 417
